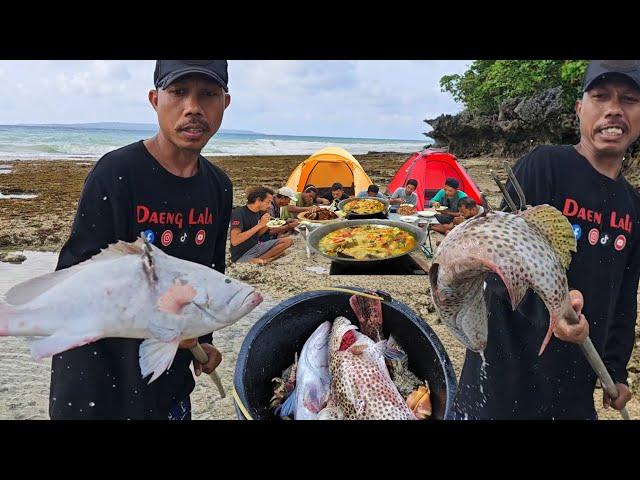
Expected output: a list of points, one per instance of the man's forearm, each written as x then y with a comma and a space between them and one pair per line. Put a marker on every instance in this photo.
244, 236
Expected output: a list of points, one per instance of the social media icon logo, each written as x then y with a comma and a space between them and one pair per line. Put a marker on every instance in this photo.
150, 236
594, 236
183, 237
200, 236
166, 238
604, 240
577, 231
620, 242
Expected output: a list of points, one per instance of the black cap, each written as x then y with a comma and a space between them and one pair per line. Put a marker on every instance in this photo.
600, 69
167, 71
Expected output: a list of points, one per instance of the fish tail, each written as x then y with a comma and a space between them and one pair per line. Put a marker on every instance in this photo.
287, 408
547, 338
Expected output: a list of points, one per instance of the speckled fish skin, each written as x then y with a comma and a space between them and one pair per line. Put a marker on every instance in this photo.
361, 387
527, 250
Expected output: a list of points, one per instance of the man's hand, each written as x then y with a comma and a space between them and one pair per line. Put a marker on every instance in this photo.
215, 357
458, 220
435, 204
577, 332
624, 395
264, 220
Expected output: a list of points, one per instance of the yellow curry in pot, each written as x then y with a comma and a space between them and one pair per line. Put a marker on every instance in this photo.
367, 242
364, 207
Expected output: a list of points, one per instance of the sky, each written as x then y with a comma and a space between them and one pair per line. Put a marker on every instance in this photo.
338, 98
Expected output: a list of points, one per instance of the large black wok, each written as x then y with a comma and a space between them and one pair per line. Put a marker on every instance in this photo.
316, 235
270, 345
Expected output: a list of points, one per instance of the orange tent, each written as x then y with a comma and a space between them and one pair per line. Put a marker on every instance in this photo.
327, 166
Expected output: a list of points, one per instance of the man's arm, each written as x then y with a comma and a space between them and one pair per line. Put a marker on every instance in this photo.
438, 197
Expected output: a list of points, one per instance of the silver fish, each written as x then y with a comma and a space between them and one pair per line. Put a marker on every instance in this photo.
115, 294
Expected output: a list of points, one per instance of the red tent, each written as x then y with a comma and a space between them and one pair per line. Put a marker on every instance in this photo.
431, 168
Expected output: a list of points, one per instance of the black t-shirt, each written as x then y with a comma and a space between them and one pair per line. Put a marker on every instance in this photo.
515, 382
126, 193
244, 219
329, 197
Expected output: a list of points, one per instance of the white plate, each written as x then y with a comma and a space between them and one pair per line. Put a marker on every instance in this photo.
441, 208
427, 213
275, 223
408, 218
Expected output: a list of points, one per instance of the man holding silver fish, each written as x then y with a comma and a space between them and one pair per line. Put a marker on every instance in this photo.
165, 190
583, 182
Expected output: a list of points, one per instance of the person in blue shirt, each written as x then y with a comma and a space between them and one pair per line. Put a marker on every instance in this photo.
372, 191
406, 194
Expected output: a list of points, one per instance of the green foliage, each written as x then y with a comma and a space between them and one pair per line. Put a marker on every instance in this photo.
488, 83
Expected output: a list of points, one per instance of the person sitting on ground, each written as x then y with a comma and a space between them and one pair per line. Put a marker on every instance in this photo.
248, 224
468, 209
336, 195
282, 198
406, 194
305, 201
372, 191
449, 196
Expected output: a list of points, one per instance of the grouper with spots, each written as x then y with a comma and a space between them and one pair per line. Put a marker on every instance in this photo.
530, 249
129, 290
361, 388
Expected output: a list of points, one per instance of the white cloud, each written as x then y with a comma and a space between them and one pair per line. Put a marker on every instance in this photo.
341, 98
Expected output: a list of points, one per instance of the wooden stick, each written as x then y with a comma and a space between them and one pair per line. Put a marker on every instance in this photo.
201, 356
598, 366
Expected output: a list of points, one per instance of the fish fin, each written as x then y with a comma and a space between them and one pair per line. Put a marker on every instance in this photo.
176, 297
156, 356
553, 321
391, 353
288, 407
30, 289
312, 400
471, 322
165, 328
61, 342
368, 311
556, 228
357, 348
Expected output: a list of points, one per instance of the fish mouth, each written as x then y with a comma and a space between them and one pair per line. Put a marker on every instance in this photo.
251, 301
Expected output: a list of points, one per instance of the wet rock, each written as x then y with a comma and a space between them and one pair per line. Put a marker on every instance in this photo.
519, 125
12, 258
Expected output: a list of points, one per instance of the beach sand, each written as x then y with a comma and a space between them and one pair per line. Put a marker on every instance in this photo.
33, 227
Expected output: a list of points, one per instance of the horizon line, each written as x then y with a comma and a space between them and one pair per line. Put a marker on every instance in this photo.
222, 130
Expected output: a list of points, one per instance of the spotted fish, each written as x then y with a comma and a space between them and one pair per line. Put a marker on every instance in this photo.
361, 388
530, 249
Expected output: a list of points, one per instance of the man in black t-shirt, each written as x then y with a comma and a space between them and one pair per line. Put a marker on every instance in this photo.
584, 183
249, 224
164, 189
336, 195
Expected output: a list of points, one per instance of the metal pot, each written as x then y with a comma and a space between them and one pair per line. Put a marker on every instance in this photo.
315, 236
364, 215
